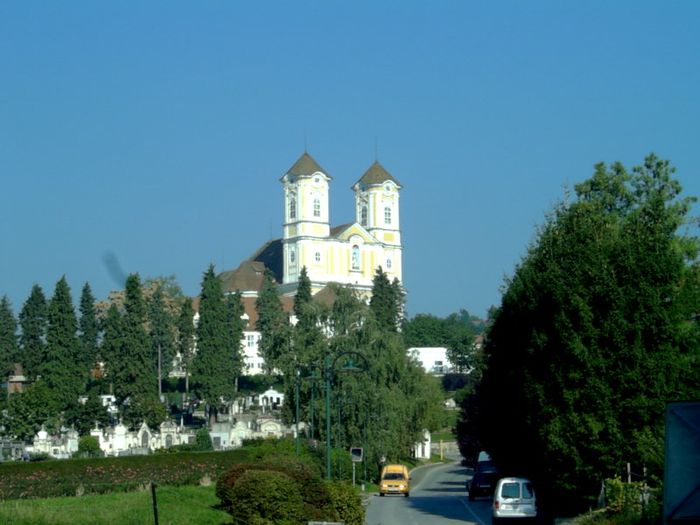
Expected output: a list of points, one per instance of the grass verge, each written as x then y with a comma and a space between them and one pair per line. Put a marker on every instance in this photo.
176, 506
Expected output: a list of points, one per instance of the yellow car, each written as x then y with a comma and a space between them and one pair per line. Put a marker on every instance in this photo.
394, 480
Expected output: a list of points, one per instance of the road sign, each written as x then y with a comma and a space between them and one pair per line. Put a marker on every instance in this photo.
356, 454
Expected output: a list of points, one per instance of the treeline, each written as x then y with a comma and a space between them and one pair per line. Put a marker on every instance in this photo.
597, 331
380, 398
125, 348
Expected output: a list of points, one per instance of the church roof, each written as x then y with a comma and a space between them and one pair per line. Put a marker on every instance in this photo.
247, 277
306, 165
337, 230
376, 174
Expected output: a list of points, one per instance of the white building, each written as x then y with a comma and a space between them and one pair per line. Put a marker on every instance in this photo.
434, 360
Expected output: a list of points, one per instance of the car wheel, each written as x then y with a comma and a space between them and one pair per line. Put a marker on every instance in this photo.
406, 494
381, 494
471, 497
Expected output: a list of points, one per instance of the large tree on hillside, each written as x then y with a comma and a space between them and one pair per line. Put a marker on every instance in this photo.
216, 364
8, 337
272, 324
62, 369
33, 321
596, 332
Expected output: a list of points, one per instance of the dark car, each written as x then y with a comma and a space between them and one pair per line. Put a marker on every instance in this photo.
484, 480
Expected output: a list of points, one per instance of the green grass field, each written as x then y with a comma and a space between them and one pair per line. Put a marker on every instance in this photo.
176, 506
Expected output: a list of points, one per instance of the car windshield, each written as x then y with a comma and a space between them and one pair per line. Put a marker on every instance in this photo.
527, 491
485, 466
393, 475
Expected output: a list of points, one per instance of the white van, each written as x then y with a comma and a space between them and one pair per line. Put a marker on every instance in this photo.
513, 498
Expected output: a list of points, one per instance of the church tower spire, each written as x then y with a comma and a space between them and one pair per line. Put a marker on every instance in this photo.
307, 213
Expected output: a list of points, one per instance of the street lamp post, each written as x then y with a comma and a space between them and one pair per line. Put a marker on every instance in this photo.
296, 392
329, 367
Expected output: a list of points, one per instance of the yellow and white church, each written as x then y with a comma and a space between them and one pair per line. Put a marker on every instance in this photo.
348, 254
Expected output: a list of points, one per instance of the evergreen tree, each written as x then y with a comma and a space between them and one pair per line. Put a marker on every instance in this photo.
88, 327
33, 321
134, 371
62, 370
8, 337
273, 324
216, 364
185, 340
596, 332
386, 302
111, 345
161, 334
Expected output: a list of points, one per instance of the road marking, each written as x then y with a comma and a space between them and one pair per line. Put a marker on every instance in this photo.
466, 506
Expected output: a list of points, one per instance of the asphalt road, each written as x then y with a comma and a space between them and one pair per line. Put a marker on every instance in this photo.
438, 497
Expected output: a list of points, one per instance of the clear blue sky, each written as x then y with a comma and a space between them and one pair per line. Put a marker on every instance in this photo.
157, 131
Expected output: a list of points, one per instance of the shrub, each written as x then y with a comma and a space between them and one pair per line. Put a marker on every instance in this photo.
89, 447
265, 497
305, 476
345, 504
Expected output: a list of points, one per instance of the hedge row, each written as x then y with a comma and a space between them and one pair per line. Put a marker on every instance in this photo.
101, 475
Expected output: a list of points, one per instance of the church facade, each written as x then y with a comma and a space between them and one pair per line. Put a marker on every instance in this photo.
348, 254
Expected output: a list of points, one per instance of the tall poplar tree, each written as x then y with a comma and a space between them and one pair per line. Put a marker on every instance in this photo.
88, 327
272, 324
185, 339
8, 337
216, 364
33, 321
62, 370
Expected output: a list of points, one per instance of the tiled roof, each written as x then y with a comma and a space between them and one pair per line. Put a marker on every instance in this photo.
376, 174
306, 165
271, 254
247, 277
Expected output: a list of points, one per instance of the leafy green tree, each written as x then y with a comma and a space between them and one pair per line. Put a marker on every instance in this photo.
272, 324
63, 370
84, 415
596, 332
216, 364
144, 407
161, 335
28, 411
185, 339
8, 337
88, 327
33, 321
89, 447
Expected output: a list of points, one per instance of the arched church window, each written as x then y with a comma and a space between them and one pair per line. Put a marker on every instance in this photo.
293, 208
363, 216
292, 257
387, 215
355, 257
317, 207
388, 264
318, 256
